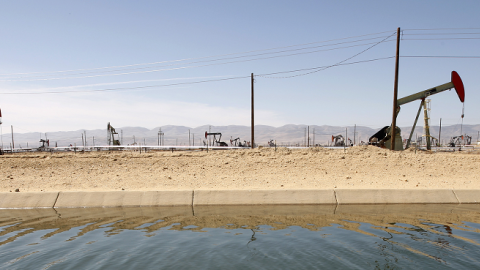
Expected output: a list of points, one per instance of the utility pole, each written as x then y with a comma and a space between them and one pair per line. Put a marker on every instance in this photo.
305, 137
440, 133
13, 142
354, 133
160, 137
395, 92
189, 138
308, 137
253, 122
313, 136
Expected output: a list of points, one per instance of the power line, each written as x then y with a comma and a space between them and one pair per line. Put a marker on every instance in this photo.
202, 61
436, 34
183, 83
322, 67
121, 88
125, 82
196, 58
438, 29
196, 66
438, 38
338, 63
439, 56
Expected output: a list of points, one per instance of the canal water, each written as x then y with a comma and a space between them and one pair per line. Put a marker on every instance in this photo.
243, 237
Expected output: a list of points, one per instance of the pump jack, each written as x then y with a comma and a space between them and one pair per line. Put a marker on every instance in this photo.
215, 134
384, 134
111, 135
338, 140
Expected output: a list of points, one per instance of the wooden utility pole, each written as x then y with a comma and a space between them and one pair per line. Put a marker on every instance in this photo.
253, 122
395, 92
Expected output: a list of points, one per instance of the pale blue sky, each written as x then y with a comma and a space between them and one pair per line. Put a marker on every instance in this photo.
40, 38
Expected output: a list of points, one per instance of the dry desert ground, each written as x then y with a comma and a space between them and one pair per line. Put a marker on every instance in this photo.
360, 167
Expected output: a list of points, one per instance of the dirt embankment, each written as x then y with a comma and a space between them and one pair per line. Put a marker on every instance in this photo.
319, 168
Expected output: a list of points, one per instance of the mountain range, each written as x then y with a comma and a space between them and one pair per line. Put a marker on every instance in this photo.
179, 135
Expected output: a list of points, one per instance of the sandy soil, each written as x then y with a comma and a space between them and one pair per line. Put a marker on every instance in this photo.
358, 167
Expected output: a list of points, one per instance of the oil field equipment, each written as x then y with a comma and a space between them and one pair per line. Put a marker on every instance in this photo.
215, 141
338, 140
237, 143
385, 133
458, 140
111, 135
45, 144
382, 138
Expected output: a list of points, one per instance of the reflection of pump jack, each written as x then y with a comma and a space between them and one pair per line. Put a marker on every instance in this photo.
253, 238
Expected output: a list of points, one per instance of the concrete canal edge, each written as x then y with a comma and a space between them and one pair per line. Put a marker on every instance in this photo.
81, 199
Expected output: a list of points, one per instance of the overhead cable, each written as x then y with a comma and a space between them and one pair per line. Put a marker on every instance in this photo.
27, 78
192, 66
196, 58
439, 56
121, 88
182, 83
338, 63
439, 38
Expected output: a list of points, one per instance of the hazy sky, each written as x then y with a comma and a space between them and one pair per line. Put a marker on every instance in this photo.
189, 62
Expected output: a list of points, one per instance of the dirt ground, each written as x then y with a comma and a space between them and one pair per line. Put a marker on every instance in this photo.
359, 167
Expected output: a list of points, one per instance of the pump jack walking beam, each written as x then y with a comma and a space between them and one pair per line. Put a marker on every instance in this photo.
456, 82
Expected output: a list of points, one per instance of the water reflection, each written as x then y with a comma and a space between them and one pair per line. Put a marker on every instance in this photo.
394, 229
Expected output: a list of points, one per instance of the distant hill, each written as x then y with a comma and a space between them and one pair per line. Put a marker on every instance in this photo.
179, 135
